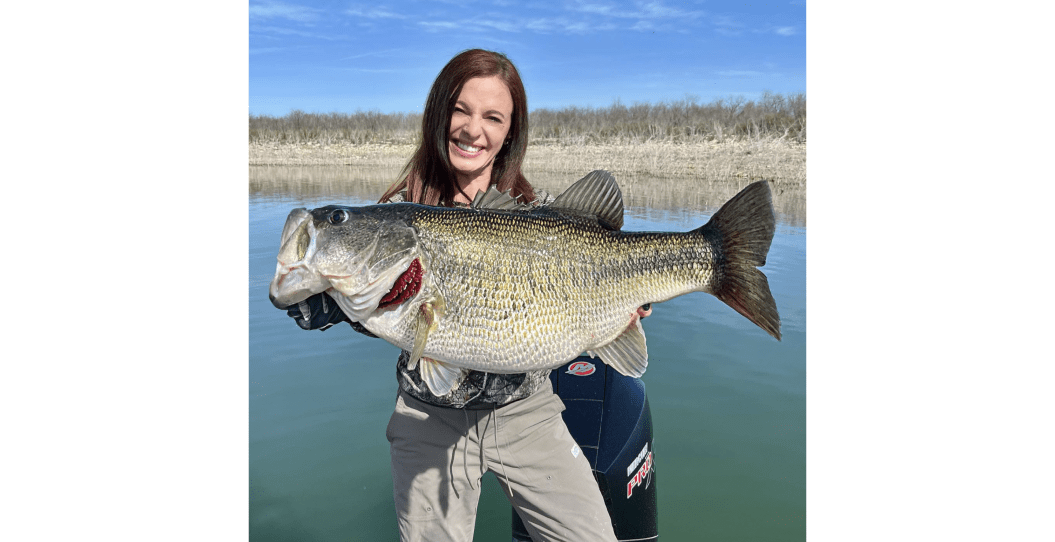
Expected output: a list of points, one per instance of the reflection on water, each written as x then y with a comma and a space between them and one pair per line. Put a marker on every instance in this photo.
313, 182
728, 401
336, 182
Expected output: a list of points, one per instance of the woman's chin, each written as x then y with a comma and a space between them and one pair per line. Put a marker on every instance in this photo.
473, 167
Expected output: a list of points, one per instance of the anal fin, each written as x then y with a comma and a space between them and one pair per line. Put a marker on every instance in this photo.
627, 353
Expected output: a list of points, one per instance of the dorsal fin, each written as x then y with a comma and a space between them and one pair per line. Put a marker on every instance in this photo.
596, 194
493, 199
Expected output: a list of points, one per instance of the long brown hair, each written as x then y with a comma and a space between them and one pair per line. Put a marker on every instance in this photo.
429, 177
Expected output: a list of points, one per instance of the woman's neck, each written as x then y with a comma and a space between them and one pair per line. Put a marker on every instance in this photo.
470, 186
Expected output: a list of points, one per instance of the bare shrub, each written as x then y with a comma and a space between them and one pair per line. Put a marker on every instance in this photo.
772, 116
360, 127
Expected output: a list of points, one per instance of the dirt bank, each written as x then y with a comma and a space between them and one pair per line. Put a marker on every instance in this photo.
779, 161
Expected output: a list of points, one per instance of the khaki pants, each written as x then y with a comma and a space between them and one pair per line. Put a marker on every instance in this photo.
439, 456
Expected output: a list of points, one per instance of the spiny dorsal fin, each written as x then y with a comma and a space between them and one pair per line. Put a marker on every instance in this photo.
493, 199
596, 194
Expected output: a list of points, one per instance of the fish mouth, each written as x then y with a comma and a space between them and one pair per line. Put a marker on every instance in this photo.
293, 284
406, 286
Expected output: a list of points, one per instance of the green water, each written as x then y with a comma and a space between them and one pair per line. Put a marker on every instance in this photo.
728, 401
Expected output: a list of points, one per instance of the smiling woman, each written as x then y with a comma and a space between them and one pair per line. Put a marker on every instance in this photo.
478, 100
474, 136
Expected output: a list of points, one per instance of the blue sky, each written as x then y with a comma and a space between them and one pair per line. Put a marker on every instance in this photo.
348, 56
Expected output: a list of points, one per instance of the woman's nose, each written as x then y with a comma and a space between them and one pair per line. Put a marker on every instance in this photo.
472, 126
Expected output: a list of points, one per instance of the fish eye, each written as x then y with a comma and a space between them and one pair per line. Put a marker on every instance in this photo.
338, 216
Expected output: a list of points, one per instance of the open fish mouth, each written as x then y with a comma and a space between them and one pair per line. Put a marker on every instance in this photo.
293, 283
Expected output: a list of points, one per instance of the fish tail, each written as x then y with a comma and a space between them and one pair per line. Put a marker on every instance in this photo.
743, 230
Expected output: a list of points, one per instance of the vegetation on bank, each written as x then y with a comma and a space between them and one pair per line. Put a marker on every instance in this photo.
772, 116
780, 161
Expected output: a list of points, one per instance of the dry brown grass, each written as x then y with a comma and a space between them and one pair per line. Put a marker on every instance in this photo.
336, 154
779, 161
775, 160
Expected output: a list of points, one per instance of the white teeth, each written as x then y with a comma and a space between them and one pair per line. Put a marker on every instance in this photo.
466, 148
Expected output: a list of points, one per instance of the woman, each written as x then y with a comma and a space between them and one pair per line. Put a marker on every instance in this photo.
474, 135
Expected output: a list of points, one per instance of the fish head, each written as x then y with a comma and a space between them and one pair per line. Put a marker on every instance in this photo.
354, 252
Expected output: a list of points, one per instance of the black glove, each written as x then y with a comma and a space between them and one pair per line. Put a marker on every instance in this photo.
321, 312
316, 312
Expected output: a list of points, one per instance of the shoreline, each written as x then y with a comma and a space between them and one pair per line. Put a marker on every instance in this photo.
778, 161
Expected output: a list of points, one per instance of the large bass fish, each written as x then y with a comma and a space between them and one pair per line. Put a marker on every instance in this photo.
504, 287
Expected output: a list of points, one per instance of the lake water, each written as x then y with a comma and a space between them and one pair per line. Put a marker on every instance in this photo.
728, 401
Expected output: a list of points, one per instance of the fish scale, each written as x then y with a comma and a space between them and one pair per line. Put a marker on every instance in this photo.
509, 289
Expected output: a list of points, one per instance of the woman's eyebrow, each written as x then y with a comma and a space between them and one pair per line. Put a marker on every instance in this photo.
465, 106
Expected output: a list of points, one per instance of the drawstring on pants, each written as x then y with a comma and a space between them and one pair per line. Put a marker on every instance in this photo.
465, 453
475, 426
494, 414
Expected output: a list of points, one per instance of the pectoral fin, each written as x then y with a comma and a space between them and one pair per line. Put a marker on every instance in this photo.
440, 377
627, 353
428, 316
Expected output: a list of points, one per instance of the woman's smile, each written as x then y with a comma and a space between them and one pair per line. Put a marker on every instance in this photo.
466, 150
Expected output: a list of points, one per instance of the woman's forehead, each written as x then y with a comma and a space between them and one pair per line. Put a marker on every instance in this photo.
487, 92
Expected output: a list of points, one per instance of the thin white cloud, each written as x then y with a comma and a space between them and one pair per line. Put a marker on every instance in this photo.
388, 53
778, 30
653, 10
564, 25
640, 10
373, 12
280, 10
579, 28
726, 21
540, 25
727, 26
281, 30
503, 26
596, 9
265, 50
581, 18
739, 73
434, 26
357, 69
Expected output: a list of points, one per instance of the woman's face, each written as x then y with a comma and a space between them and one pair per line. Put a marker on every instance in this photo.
479, 125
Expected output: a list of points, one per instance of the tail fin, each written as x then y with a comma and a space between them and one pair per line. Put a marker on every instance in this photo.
744, 228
